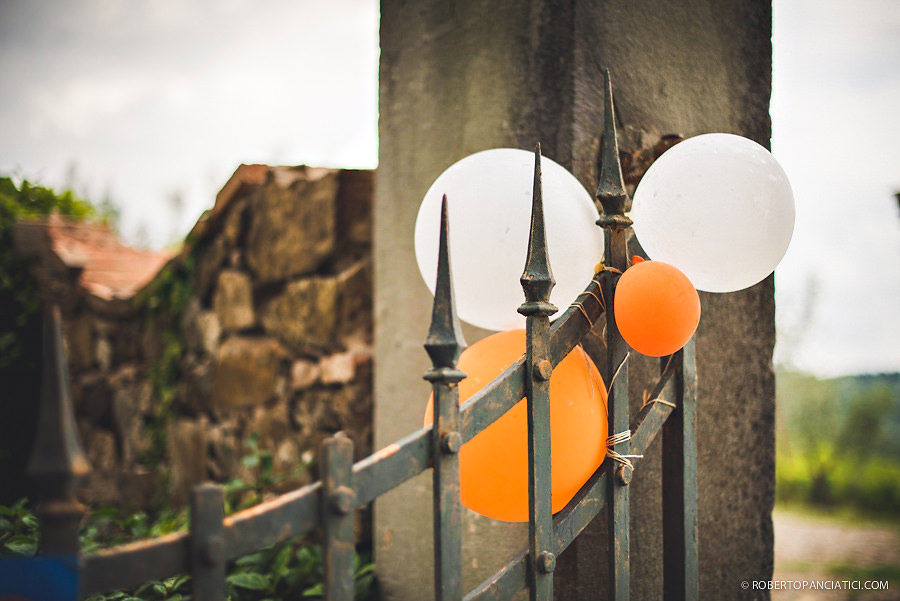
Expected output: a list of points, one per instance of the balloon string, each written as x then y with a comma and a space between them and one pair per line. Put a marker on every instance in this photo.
618, 369
606, 268
601, 298
661, 402
615, 439
581, 308
596, 381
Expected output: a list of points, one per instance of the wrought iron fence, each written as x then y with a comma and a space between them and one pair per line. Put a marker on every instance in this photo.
214, 539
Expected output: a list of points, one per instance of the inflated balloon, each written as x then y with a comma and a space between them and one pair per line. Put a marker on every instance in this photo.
656, 308
718, 207
494, 464
489, 202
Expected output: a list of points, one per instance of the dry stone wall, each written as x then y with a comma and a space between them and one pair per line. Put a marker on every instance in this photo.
254, 342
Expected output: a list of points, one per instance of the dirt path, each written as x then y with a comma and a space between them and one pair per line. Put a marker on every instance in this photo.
811, 548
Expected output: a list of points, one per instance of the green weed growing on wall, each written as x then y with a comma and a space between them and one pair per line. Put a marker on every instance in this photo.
18, 293
163, 305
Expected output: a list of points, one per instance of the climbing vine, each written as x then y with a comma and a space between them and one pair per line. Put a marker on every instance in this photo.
164, 304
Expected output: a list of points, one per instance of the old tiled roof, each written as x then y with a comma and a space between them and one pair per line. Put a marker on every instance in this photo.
113, 273
105, 268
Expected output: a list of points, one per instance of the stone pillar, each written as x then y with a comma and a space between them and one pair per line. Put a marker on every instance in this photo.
459, 77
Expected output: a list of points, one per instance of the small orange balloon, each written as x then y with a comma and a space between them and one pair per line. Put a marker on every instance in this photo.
494, 464
657, 308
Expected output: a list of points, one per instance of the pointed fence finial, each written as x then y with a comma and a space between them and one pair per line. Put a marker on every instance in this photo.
611, 191
537, 279
445, 341
57, 462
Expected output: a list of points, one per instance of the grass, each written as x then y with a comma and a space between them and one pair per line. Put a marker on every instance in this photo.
851, 571
843, 515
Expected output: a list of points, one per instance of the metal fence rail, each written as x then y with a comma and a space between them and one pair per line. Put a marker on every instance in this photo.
214, 540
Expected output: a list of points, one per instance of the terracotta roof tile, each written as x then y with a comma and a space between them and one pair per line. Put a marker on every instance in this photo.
108, 269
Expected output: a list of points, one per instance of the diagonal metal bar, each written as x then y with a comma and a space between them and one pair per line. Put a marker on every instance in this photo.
569, 328
508, 388
492, 401
578, 513
289, 515
392, 465
506, 582
444, 344
537, 283
652, 415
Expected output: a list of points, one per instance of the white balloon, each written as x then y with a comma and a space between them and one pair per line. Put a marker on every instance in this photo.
489, 206
718, 207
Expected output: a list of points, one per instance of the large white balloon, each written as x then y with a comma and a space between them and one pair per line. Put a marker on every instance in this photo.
718, 207
489, 206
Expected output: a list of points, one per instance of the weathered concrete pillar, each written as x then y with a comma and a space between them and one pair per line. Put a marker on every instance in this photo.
458, 77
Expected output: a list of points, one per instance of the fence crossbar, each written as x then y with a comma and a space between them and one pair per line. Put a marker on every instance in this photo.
131, 564
569, 522
507, 389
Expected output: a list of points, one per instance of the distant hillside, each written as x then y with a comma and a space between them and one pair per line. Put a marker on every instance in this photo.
838, 441
860, 411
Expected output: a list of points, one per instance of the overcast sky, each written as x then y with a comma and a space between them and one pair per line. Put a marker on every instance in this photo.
154, 104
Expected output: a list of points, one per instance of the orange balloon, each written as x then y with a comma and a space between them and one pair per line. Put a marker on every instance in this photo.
657, 308
494, 464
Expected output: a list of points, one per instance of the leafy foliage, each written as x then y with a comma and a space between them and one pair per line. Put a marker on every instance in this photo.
260, 463
838, 442
291, 569
163, 305
20, 324
18, 530
18, 295
288, 570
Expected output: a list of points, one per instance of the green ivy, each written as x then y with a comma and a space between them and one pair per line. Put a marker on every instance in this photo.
18, 293
163, 305
291, 569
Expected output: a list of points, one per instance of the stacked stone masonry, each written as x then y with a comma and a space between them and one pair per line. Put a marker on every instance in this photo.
266, 353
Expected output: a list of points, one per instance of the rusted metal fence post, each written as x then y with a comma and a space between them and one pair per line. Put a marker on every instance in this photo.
612, 196
537, 283
208, 542
57, 462
679, 486
444, 344
338, 503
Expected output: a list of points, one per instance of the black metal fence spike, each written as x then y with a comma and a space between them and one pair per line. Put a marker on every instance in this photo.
57, 463
537, 279
611, 191
445, 341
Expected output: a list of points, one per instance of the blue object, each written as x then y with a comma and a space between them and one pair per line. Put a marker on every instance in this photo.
39, 578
